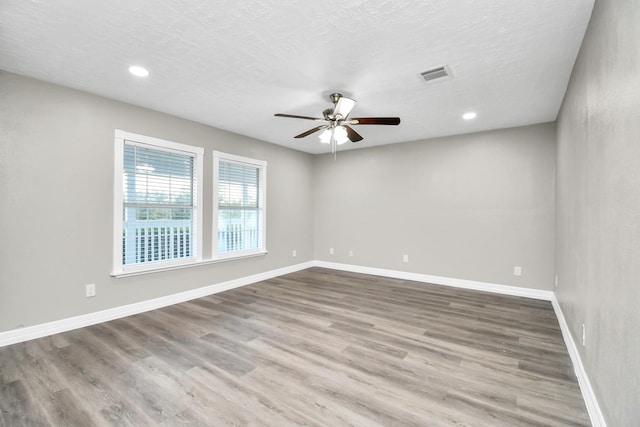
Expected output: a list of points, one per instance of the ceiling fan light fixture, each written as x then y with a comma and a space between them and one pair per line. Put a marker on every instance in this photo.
337, 129
343, 107
340, 135
325, 136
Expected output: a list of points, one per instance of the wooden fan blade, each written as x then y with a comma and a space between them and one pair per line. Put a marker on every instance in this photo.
309, 132
352, 134
293, 116
375, 121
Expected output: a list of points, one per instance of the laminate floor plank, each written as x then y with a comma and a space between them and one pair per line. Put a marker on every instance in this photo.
99, 376
251, 406
318, 347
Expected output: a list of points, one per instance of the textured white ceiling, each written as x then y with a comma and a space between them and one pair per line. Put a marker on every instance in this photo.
233, 64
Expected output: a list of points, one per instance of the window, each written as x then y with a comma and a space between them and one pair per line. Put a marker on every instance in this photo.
239, 209
157, 203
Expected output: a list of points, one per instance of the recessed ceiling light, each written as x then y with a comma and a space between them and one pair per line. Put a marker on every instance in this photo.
138, 71
469, 116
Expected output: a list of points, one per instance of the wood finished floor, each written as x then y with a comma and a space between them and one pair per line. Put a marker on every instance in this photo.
317, 347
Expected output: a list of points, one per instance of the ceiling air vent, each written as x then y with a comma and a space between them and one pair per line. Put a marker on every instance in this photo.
437, 73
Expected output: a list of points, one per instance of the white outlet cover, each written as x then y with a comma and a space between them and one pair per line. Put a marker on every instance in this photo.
90, 290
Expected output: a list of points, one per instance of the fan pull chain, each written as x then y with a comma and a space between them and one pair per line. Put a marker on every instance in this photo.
334, 146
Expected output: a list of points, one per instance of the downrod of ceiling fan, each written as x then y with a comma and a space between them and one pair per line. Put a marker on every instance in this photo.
334, 97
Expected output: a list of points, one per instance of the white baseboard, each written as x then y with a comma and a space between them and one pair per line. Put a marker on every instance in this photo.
595, 413
50, 328
38, 331
441, 280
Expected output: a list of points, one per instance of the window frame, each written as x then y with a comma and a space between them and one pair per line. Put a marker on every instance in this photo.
261, 165
122, 138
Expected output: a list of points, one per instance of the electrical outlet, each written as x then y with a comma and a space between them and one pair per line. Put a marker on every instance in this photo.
90, 290
584, 335
294, 253
405, 258
517, 270
330, 251
350, 252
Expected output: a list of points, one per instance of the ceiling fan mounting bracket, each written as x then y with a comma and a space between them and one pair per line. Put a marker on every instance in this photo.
335, 97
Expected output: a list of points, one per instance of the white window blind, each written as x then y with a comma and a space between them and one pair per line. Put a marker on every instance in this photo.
160, 205
240, 194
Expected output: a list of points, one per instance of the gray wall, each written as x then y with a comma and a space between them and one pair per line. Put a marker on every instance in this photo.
56, 202
598, 207
466, 207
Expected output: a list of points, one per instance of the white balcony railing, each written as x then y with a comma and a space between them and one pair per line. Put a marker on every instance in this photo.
236, 236
156, 240
161, 240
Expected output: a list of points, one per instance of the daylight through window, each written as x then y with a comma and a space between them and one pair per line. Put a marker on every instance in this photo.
240, 194
159, 202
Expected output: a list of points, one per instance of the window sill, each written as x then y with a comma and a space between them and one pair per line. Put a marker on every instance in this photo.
121, 274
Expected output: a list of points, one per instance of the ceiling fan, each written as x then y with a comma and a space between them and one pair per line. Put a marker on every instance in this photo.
337, 124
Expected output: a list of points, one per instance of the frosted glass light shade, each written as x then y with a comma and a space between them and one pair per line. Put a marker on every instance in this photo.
325, 136
340, 135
